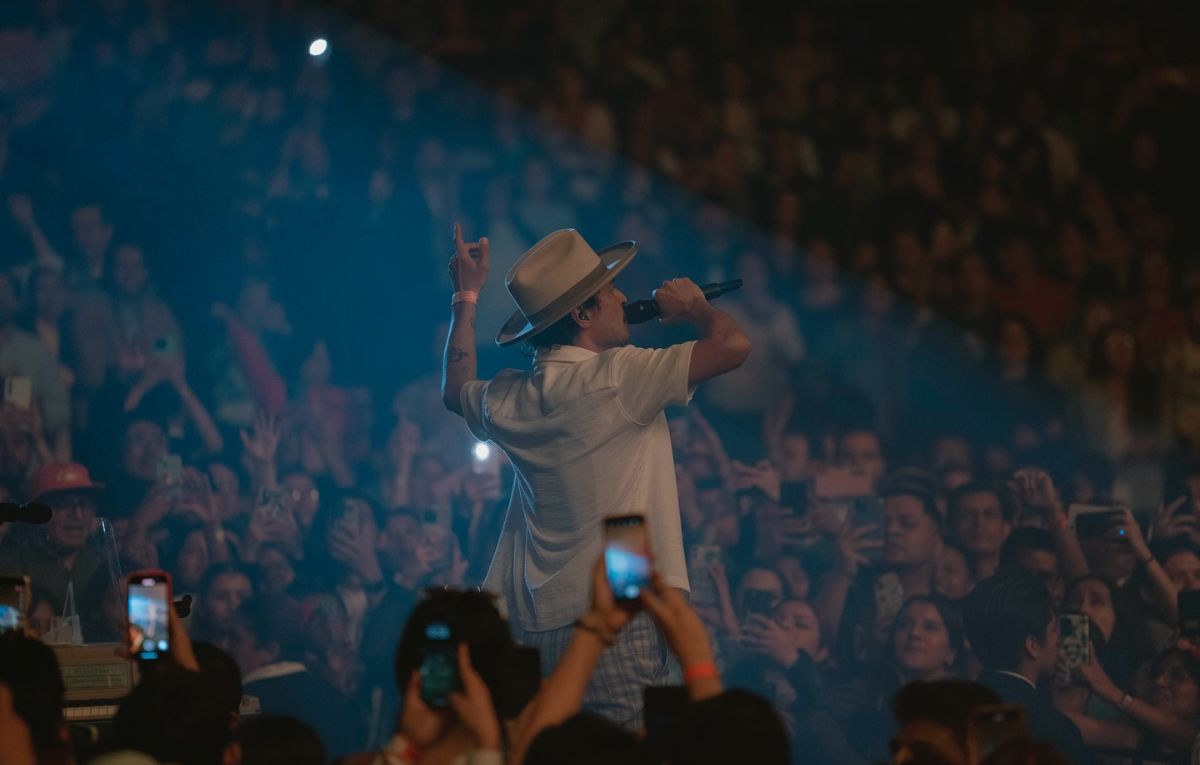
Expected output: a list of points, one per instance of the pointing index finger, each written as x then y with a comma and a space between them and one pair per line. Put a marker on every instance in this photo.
484, 246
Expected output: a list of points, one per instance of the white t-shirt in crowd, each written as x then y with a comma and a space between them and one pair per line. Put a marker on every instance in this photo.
588, 439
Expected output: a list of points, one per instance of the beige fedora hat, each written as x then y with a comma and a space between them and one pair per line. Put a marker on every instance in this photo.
556, 275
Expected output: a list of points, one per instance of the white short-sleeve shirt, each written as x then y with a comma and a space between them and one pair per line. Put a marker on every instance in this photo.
588, 439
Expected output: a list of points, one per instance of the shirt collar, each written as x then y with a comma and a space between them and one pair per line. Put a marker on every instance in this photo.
1019, 676
564, 354
270, 671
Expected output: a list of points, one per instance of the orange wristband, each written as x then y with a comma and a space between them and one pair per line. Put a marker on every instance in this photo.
465, 296
705, 670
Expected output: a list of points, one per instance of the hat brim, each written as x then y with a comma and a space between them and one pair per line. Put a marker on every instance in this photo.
616, 257
94, 488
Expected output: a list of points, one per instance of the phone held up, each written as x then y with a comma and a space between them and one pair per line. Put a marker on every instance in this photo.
149, 603
1074, 644
439, 665
626, 556
14, 602
1093, 521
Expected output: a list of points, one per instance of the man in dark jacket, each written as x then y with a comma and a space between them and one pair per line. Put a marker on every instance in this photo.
267, 642
1011, 625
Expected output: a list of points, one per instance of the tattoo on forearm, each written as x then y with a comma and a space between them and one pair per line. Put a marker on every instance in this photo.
454, 354
472, 322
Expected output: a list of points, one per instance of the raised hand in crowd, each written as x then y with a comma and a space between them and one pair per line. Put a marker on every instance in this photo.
1034, 490
403, 444
259, 447
271, 521
851, 544
1169, 521
1128, 530
686, 636
354, 544
20, 207
473, 705
1162, 725
712, 443
561, 694
730, 624
762, 476
1035, 494
198, 500
424, 727
765, 636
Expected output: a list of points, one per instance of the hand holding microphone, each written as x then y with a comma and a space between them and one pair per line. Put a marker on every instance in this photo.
677, 300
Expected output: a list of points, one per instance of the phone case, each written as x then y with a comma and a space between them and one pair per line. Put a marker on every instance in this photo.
1074, 644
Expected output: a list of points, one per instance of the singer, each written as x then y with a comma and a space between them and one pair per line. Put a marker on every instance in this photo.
587, 438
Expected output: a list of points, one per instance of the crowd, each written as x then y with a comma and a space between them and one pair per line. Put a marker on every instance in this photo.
971, 285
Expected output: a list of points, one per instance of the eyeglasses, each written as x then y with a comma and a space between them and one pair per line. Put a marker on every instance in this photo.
297, 496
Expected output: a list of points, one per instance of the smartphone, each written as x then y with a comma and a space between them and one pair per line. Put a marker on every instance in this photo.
1092, 521
170, 470
626, 556
868, 511
1189, 614
793, 498
888, 592
349, 516
700, 559
991, 727
439, 665
18, 391
149, 603
839, 483
761, 602
485, 459
522, 678
14, 602
1074, 644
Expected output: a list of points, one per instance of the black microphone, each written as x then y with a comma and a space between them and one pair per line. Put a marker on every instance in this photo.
645, 310
34, 512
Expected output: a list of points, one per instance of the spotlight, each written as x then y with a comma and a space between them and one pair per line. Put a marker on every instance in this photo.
318, 47
482, 451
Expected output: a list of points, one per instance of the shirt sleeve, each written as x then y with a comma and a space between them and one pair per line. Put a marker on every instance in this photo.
648, 380
471, 399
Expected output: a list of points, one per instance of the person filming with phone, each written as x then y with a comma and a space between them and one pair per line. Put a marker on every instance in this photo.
586, 434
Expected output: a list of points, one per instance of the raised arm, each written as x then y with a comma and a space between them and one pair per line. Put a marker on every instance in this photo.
1035, 490
723, 345
468, 273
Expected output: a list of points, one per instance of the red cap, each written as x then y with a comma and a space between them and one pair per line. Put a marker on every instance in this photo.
58, 477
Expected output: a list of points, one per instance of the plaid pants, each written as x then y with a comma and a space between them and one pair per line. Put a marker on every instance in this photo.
639, 658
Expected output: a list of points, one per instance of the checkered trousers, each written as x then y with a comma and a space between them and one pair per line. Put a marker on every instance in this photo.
639, 658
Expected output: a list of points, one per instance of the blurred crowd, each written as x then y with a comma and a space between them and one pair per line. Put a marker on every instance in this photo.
971, 283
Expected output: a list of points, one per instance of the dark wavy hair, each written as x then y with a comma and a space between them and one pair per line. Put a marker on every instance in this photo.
562, 332
1001, 612
474, 619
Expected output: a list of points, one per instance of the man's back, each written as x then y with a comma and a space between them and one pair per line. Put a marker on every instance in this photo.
295, 692
1045, 722
587, 439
